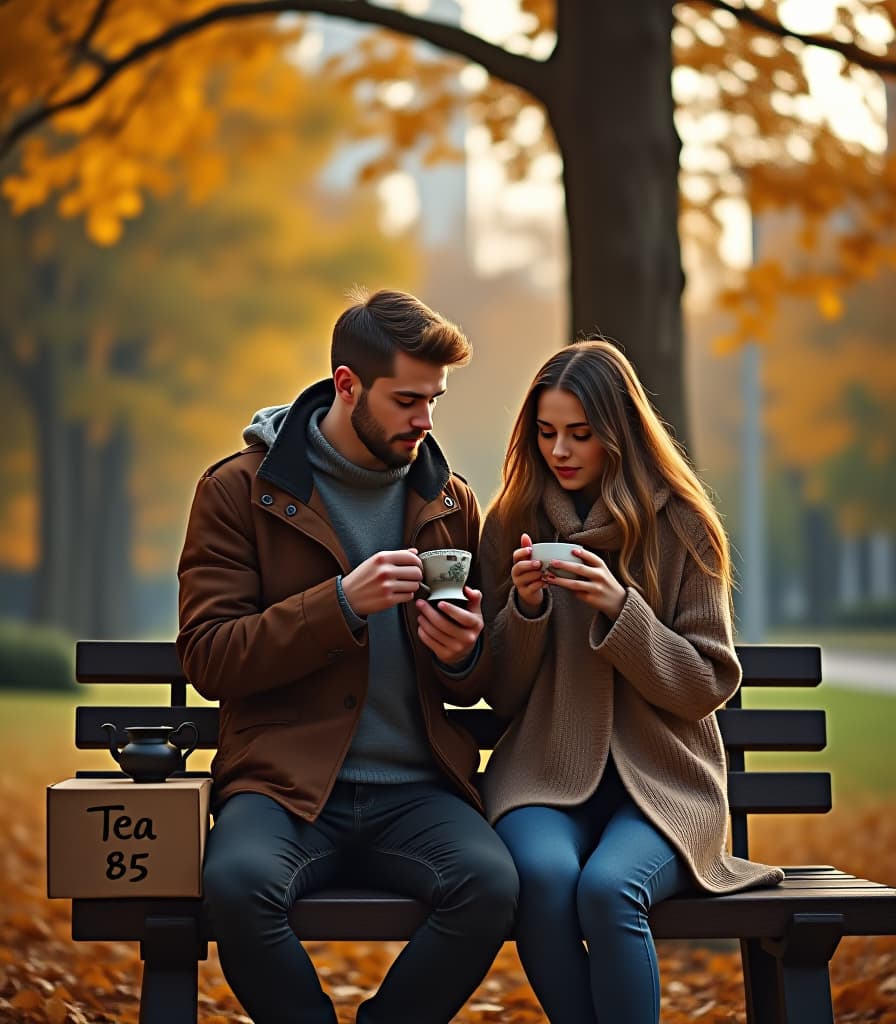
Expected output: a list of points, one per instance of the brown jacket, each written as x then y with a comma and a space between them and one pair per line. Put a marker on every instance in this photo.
644, 688
262, 630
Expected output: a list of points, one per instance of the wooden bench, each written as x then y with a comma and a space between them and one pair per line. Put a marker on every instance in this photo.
787, 934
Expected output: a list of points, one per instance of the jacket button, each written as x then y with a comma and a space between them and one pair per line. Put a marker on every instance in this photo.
267, 499
350, 702
290, 510
449, 502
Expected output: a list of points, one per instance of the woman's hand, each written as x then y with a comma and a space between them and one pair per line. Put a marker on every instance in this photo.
594, 583
526, 577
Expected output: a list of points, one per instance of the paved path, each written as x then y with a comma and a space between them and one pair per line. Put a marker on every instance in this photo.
874, 672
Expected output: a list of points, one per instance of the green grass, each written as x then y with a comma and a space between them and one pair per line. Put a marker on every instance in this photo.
860, 726
860, 641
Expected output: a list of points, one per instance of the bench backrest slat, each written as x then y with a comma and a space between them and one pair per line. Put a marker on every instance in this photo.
89, 734
780, 664
156, 661
127, 661
779, 792
743, 729
772, 729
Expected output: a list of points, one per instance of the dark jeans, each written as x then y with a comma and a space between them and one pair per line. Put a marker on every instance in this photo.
593, 872
419, 840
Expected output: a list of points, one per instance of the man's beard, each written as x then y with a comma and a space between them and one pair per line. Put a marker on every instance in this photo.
374, 439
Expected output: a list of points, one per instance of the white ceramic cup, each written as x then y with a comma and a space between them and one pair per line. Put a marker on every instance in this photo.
548, 551
445, 572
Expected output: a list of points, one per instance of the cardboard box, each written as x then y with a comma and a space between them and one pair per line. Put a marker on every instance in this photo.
115, 837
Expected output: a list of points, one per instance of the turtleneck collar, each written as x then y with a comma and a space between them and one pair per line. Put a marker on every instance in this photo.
326, 459
598, 530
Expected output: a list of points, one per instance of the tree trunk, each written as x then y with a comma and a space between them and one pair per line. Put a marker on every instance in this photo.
821, 564
612, 115
100, 575
114, 563
84, 579
51, 576
78, 582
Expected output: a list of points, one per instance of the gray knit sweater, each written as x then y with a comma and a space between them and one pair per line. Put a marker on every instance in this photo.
643, 688
366, 508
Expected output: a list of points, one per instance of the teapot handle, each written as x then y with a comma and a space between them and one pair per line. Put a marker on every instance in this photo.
192, 745
112, 729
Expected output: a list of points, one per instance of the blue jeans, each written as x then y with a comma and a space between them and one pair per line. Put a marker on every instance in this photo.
420, 840
593, 872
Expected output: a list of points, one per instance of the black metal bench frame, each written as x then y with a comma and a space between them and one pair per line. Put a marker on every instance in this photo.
787, 933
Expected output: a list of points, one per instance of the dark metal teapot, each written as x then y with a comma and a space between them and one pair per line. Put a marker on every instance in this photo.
152, 752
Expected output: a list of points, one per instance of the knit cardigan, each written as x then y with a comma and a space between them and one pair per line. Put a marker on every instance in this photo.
579, 687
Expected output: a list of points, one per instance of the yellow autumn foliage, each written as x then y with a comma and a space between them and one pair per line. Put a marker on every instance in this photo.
219, 296
830, 402
161, 130
156, 125
160, 117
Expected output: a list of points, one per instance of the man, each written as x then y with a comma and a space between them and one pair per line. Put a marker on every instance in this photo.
298, 613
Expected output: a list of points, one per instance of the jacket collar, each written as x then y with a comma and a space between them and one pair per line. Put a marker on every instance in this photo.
286, 463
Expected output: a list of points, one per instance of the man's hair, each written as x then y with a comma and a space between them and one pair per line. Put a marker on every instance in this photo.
369, 333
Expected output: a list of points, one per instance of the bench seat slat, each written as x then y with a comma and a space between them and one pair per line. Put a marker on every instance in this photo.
797, 871
830, 882
337, 914
865, 912
864, 904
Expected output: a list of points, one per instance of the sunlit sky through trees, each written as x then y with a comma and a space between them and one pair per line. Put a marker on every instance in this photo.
503, 216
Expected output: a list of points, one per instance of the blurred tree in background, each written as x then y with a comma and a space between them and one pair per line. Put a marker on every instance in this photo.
592, 82
829, 413
109, 109
124, 357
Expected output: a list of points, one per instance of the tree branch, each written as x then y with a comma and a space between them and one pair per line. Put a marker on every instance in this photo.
533, 76
854, 54
83, 47
99, 12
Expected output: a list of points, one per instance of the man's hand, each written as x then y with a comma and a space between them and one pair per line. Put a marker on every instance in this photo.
526, 577
448, 630
383, 580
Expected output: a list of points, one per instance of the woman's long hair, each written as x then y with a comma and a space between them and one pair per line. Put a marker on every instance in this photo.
641, 456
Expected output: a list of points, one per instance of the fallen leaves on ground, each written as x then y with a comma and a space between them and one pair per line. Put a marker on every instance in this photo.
46, 978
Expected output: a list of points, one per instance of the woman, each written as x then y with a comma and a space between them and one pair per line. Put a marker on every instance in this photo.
609, 784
